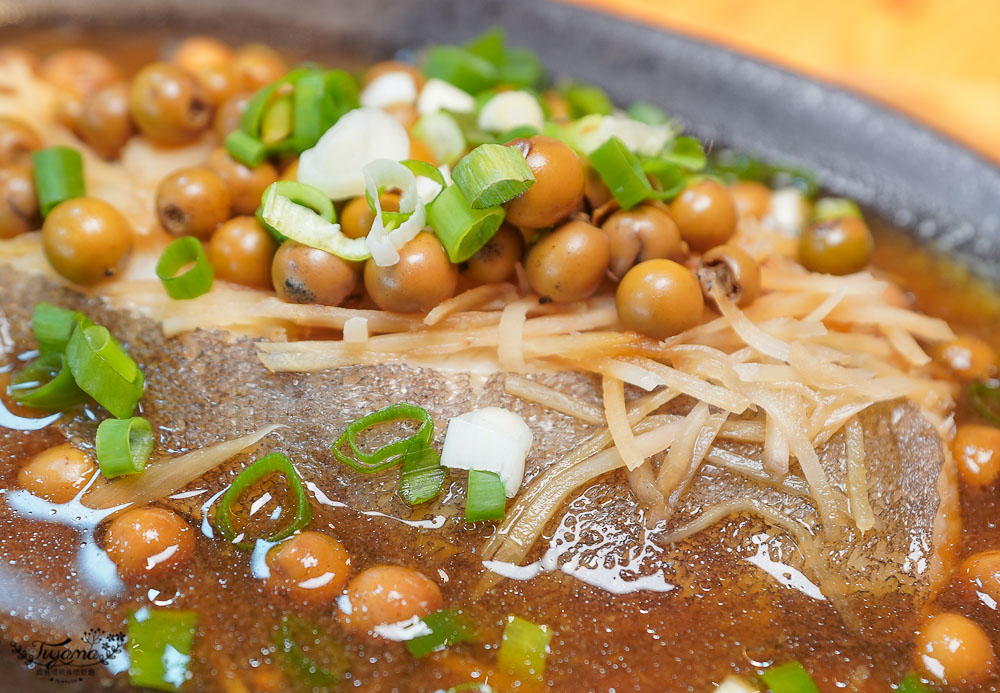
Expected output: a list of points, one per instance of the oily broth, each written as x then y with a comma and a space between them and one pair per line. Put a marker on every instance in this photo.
641, 639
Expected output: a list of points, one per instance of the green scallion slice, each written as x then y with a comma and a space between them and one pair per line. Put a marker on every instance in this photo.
460, 67
584, 99
246, 149
447, 626
310, 657
520, 131
159, 646
524, 648
461, 229
911, 683
308, 117
622, 172
194, 281
103, 369
277, 122
491, 45
53, 326
647, 113
46, 383
441, 132
123, 446
58, 175
273, 463
686, 152
492, 174
421, 475
424, 169
521, 68
253, 116
670, 179
388, 455
790, 677
486, 498
303, 225
984, 399
831, 208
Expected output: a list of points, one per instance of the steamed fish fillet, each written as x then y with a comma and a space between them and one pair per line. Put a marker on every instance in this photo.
738, 589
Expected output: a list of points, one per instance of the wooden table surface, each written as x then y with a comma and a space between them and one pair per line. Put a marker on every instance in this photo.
937, 60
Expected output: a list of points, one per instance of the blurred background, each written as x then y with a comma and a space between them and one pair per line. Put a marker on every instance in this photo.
938, 60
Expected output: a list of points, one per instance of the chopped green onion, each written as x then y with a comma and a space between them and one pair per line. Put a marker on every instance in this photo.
58, 174
103, 370
307, 196
46, 383
647, 113
461, 229
441, 132
159, 647
790, 677
622, 172
521, 131
277, 122
311, 657
686, 152
246, 149
268, 464
521, 68
492, 174
830, 208
253, 116
303, 225
490, 45
191, 283
985, 401
524, 649
584, 99
460, 67
422, 168
669, 177
123, 446
388, 455
447, 627
486, 498
422, 475
912, 683
53, 326
308, 117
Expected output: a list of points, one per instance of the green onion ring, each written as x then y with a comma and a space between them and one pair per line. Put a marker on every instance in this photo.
422, 475
123, 446
461, 229
422, 168
195, 281
492, 174
53, 326
985, 401
524, 648
58, 175
447, 627
246, 149
486, 498
54, 388
293, 638
268, 464
103, 370
389, 455
622, 172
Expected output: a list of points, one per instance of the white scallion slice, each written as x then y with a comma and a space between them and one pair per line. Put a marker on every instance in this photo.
384, 242
304, 226
389, 89
438, 95
511, 109
361, 136
590, 132
788, 212
492, 439
442, 134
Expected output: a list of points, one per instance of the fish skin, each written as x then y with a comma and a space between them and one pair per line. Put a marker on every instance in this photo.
206, 386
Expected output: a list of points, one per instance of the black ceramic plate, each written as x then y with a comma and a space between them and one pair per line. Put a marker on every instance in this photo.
912, 176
